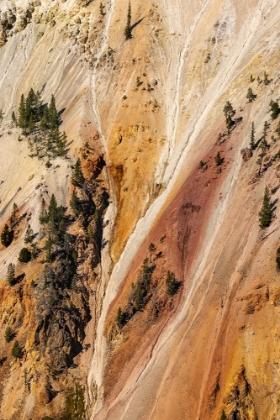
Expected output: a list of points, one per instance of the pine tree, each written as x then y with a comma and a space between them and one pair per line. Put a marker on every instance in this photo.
120, 317
9, 334
13, 217
49, 248
22, 119
77, 176
14, 119
43, 217
31, 124
259, 162
171, 284
11, 278
38, 107
30, 103
53, 209
75, 203
139, 297
28, 238
252, 139
128, 28
264, 143
266, 81
6, 236
53, 114
250, 95
16, 350
61, 144
44, 123
229, 113
265, 215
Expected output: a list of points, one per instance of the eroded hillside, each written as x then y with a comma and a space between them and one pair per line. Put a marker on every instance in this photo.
154, 292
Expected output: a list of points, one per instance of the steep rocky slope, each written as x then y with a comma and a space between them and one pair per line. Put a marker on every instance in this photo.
146, 117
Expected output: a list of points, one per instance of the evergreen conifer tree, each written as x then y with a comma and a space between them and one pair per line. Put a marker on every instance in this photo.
9, 334
28, 238
250, 95
75, 203
252, 139
43, 217
171, 284
13, 217
22, 118
16, 350
120, 317
44, 123
53, 209
265, 215
266, 81
53, 114
128, 28
61, 144
6, 236
11, 279
229, 113
14, 118
77, 176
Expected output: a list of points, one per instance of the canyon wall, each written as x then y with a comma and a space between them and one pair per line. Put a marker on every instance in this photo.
173, 312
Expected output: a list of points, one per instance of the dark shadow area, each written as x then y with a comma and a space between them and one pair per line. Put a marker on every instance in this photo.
266, 236
59, 115
2, 361
136, 23
273, 204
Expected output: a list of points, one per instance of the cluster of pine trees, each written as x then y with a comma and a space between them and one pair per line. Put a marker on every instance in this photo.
40, 122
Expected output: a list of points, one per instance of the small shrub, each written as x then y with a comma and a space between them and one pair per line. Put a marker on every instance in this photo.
101, 9
24, 255
120, 318
74, 404
223, 415
17, 350
274, 109
171, 284
218, 159
152, 247
266, 81
9, 334
250, 95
